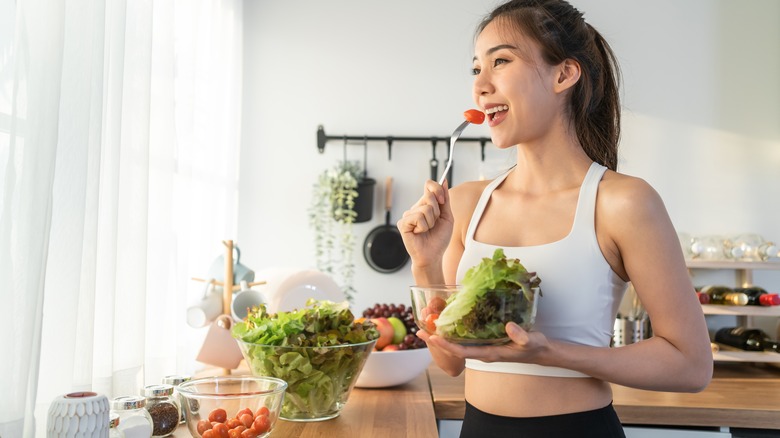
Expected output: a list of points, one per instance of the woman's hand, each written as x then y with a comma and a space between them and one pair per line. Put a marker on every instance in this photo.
427, 226
449, 363
524, 346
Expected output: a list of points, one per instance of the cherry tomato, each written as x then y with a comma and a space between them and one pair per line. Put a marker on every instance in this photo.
247, 419
474, 116
430, 322
219, 415
208, 434
242, 412
263, 411
437, 304
236, 433
261, 424
221, 431
203, 425
233, 422
249, 433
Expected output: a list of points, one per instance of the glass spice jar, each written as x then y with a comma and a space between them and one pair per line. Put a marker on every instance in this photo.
113, 427
176, 380
164, 409
134, 419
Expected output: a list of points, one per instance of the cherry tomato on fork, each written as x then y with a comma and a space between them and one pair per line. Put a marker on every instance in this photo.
474, 116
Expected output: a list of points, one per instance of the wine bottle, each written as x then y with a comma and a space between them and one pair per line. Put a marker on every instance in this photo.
758, 296
703, 298
724, 295
746, 339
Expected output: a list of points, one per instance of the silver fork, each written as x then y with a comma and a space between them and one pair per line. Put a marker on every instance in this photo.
453, 139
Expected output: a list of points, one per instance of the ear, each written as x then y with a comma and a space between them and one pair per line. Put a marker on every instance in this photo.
567, 74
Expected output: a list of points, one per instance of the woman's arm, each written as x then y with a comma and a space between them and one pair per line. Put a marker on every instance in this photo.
439, 212
641, 240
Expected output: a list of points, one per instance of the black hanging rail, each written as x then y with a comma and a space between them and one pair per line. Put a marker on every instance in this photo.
322, 139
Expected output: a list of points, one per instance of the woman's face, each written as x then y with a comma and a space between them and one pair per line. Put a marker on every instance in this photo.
513, 85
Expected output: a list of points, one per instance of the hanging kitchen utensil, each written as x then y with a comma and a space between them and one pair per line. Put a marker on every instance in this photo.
364, 202
434, 162
384, 249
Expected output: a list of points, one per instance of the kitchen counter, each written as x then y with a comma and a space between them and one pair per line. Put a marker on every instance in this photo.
740, 395
401, 411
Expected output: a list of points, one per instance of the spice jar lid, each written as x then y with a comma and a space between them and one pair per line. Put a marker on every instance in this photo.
126, 402
113, 422
175, 379
158, 390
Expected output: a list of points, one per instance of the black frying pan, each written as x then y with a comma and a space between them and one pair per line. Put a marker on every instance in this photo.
384, 249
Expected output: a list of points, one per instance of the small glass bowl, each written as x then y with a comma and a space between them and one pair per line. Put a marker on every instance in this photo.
234, 394
499, 306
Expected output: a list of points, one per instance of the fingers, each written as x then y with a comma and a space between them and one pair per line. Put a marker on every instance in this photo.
422, 334
422, 217
439, 191
517, 334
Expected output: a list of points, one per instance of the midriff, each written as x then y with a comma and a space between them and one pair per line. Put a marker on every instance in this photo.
522, 395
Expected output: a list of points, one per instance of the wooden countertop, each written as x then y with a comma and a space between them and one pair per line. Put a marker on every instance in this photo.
740, 395
401, 411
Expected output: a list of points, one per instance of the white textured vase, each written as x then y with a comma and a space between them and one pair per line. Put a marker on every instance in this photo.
79, 414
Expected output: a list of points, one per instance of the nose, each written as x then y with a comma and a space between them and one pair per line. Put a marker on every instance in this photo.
482, 85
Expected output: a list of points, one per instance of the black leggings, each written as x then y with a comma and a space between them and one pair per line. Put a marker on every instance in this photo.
598, 423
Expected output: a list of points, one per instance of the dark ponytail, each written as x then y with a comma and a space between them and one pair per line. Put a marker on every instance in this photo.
562, 33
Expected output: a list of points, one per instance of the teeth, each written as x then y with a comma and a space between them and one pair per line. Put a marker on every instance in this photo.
496, 109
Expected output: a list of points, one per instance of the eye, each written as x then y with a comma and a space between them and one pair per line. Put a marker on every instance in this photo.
499, 61
475, 71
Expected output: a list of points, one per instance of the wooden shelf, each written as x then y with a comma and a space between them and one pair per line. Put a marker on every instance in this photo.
726, 264
718, 309
746, 356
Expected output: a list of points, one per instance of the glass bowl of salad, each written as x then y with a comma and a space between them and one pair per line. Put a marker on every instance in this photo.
494, 292
215, 406
319, 351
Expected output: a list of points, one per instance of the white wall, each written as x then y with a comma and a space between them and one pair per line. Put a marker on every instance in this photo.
701, 119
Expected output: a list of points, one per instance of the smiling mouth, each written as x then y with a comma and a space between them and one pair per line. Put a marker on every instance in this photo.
495, 111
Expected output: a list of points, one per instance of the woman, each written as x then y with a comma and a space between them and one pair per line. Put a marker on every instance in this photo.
547, 82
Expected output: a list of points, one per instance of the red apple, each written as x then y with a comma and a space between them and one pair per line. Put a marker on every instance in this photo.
385, 330
391, 347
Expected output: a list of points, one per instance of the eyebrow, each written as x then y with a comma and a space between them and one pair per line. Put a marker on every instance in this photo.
492, 50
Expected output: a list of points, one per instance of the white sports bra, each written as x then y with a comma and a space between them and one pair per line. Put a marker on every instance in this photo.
581, 292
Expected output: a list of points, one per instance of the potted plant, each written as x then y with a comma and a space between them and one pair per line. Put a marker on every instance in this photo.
341, 195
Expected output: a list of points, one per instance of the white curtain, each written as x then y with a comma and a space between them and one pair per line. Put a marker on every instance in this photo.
119, 148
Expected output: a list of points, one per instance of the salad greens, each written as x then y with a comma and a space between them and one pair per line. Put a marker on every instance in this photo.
318, 350
489, 299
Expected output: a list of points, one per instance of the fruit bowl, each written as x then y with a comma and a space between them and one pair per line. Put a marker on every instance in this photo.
471, 320
215, 403
319, 379
384, 369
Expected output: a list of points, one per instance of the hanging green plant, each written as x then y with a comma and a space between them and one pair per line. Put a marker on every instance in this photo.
331, 215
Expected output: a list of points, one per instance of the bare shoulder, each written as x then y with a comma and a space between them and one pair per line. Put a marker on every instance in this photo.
463, 200
624, 196
633, 226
